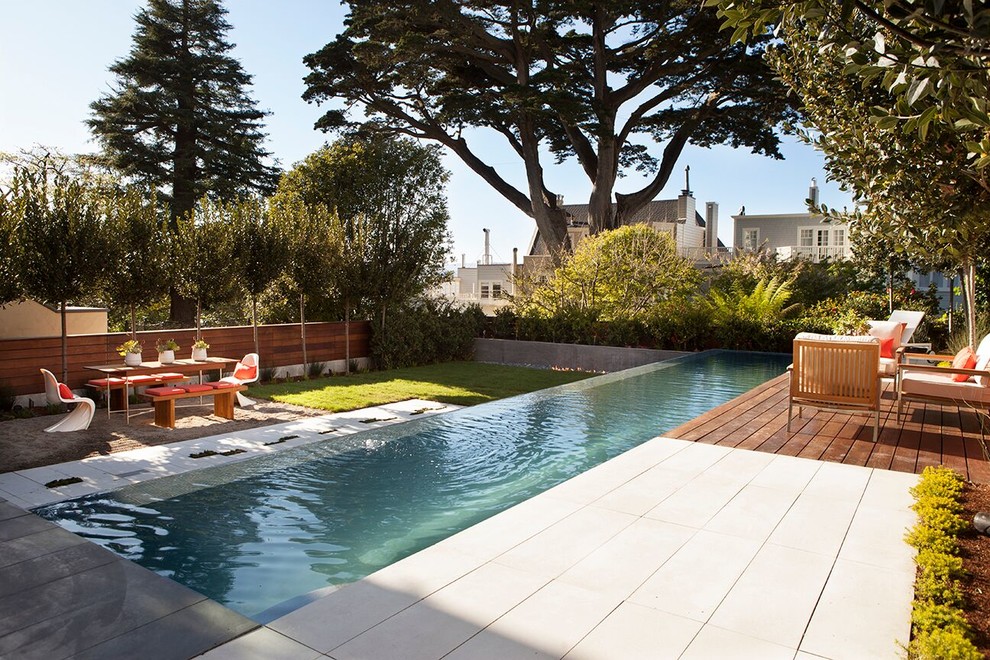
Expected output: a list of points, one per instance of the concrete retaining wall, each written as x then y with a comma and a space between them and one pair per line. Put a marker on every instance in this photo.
566, 356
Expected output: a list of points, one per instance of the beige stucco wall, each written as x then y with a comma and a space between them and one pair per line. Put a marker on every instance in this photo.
30, 319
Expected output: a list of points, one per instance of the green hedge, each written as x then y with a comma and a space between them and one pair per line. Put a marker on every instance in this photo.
939, 627
425, 331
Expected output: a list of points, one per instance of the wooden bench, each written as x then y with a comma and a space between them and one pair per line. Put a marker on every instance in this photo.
117, 386
223, 403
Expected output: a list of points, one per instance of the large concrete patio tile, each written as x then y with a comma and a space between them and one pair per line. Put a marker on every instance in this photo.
437, 625
625, 561
864, 612
424, 572
329, 622
634, 632
35, 545
713, 642
695, 580
787, 473
741, 466
261, 644
548, 624
890, 490
696, 457
560, 546
186, 633
509, 528
876, 537
838, 481
775, 596
753, 513
641, 494
697, 502
815, 524
52, 566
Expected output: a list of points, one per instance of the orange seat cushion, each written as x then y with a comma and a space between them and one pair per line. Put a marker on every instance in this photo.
193, 387
245, 373
65, 392
137, 380
220, 384
163, 391
965, 359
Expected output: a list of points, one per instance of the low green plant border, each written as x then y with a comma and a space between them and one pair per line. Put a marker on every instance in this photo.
938, 622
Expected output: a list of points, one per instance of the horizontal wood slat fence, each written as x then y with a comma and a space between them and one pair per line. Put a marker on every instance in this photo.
279, 346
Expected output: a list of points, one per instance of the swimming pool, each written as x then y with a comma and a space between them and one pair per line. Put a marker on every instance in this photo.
257, 534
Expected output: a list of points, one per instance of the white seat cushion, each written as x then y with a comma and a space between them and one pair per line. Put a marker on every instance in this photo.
928, 384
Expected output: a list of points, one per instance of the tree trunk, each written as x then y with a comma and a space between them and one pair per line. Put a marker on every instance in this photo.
254, 322
65, 346
133, 321
347, 338
199, 319
302, 331
969, 298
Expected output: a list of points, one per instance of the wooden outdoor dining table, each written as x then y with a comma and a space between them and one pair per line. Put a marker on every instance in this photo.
187, 366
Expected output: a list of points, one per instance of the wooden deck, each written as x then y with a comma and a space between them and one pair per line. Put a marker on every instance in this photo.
930, 434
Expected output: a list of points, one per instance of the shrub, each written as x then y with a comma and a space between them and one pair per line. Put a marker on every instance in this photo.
426, 331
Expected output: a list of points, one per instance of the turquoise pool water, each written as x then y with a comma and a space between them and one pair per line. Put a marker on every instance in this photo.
258, 534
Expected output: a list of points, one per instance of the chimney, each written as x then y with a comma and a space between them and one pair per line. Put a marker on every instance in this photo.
487, 259
463, 259
813, 192
686, 203
515, 267
711, 226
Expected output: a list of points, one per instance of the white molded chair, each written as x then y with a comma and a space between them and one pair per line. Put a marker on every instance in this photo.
246, 371
79, 417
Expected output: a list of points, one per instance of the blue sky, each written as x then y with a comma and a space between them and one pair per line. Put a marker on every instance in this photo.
54, 56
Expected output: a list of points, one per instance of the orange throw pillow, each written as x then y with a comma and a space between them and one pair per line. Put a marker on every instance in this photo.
243, 372
887, 347
65, 392
965, 359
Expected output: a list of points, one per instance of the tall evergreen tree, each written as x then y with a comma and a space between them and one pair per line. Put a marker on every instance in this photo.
179, 117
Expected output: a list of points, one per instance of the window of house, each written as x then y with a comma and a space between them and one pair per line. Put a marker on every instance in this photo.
486, 291
496, 290
805, 237
751, 239
839, 237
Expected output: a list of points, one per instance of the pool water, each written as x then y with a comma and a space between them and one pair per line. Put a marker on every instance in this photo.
258, 534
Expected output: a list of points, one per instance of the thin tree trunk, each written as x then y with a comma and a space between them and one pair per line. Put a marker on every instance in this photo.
969, 298
254, 321
302, 331
347, 338
65, 347
199, 318
133, 322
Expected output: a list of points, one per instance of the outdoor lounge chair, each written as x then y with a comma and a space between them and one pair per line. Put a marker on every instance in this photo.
835, 373
58, 393
246, 371
911, 320
929, 383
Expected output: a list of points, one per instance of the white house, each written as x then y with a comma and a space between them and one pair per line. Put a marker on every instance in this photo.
807, 235
486, 284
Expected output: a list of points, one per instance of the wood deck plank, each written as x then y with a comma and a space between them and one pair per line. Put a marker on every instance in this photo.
928, 434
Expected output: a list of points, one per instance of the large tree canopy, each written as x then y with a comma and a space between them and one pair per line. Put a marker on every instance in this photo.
596, 81
179, 117
932, 58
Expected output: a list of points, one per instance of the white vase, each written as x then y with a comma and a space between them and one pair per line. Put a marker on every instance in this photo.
132, 359
199, 354
166, 357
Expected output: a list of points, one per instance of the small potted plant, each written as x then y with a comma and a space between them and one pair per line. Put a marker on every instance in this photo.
130, 350
166, 350
199, 350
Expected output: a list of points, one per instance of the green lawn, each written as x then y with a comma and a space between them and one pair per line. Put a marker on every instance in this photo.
460, 383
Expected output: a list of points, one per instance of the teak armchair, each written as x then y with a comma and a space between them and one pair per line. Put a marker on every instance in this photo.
835, 373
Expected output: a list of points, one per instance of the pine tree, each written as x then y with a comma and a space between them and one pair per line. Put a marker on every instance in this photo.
179, 117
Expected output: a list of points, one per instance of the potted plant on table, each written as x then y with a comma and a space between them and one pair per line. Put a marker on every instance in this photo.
166, 350
130, 350
199, 350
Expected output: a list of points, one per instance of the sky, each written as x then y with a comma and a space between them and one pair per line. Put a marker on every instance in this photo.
54, 59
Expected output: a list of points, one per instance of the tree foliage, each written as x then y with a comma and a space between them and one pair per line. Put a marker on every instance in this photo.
932, 59
916, 193
579, 79
61, 236
179, 117
10, 286
617, 275
386, 199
